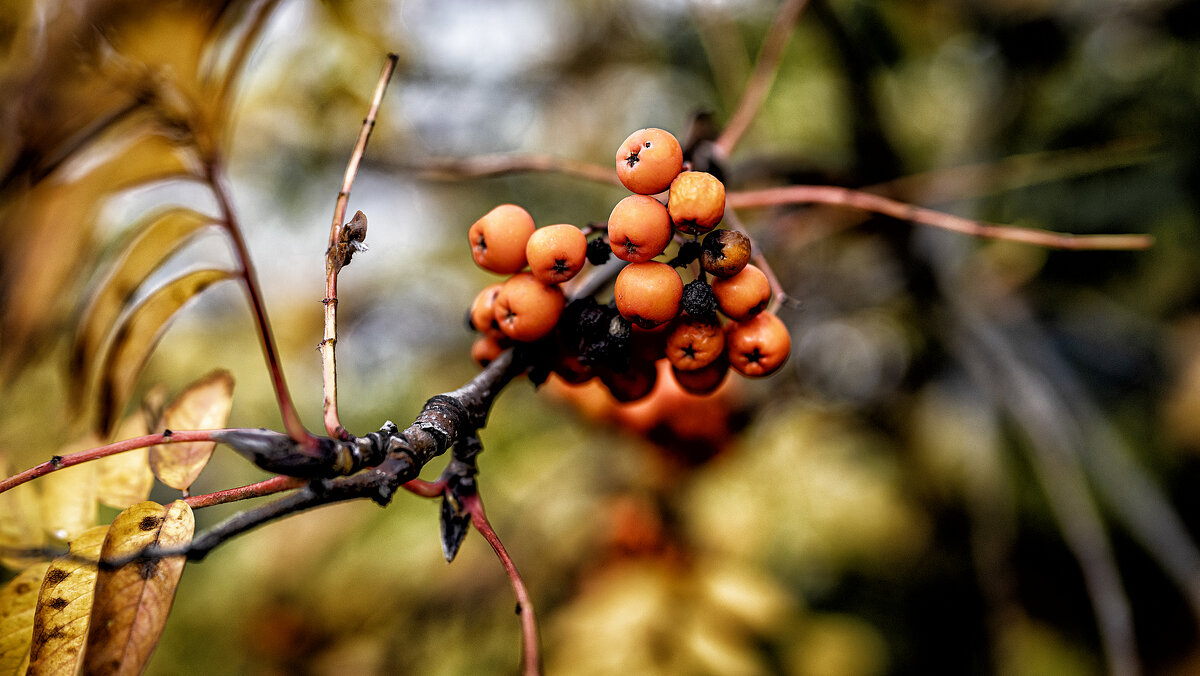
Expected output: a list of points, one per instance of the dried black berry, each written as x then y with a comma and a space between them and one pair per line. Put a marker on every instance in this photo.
598, 250
698, 299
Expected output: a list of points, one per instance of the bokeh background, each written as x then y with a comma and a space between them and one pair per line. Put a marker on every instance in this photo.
974, 446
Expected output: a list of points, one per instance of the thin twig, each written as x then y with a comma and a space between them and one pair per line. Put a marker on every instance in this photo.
276, 484
64, 461
531, 658
857, 199
334, 260
765, 68
778, 293
484, 166
229, 223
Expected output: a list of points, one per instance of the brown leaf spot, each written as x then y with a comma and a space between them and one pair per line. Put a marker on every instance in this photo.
58, 603
150, 523
56, 575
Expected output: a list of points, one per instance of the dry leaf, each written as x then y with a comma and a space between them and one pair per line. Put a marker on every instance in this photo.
69, 495
21, 525
18, 599
133, 601
64, 605
137, 336
158, 236
125, 479
204, 405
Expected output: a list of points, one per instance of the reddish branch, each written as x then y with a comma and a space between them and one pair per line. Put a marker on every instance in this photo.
823, 194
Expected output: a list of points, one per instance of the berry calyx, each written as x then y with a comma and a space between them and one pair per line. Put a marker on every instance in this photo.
498, 239
648, 160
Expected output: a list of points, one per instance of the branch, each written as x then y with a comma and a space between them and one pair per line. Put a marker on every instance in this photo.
857, 199
276, 484
765, 68
530, 653
343, 241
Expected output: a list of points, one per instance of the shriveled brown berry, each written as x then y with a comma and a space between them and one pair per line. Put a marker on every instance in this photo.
527, 309
703, 380
498, 239
725, 253
648, 160
696, 202
556, 253
694, 343
758, 347
648, 294
743, 295
639, 229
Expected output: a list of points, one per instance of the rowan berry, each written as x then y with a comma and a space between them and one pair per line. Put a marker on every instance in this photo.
725, 253
631, 384
703, 380
743, 295
527, 309
498, 239
485, 349
648, 294
648, 160
696, 202
482, 313
759, 346
639, 229
556, 253
694, 343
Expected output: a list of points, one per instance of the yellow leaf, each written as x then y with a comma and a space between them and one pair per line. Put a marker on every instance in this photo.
17, 601
69, 495
64, 605
204, 405
125, 478
21, 526
157, 237
136, 337
133, 601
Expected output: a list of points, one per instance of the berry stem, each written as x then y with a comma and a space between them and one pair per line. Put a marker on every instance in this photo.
334, 258
857, 199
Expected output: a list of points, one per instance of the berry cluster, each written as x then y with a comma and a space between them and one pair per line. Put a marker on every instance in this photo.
703, 329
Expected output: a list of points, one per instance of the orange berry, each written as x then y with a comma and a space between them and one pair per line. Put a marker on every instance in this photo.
631, 384
639, 228
556, 253
694, 343
649, 160
703, 380
527, 309
648, 294
725, 253
696, 202
498, 239
743, 295
485, 349
758, 347
482, 313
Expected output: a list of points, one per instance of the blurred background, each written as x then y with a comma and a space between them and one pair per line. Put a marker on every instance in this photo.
980, 458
